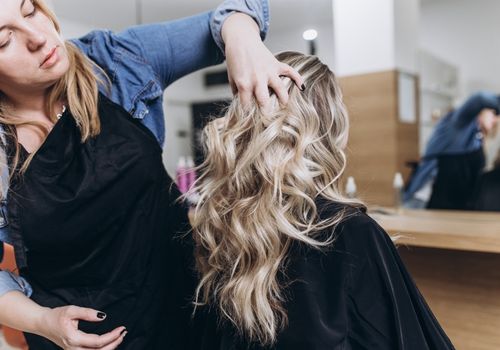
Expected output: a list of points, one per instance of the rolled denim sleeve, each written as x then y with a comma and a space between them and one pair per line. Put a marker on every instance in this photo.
257, 9
10, 282
175, 48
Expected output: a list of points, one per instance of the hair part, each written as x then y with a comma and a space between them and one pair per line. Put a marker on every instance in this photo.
258, 187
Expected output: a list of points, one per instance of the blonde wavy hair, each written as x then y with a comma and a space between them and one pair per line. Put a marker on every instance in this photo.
258, 186
78, 88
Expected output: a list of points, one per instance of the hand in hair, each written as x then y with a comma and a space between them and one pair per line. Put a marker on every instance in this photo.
252, 68
488, 119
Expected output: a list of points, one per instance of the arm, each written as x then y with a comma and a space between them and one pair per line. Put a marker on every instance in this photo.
10, 282
472, 107
59, 325
177, 48
457, 131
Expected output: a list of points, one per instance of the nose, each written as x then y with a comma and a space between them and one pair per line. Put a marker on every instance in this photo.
35, 39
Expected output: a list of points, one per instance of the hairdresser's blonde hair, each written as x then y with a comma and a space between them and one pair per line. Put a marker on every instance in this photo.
78, 87
258, 185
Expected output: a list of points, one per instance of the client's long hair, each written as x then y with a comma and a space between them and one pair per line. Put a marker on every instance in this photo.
259, 184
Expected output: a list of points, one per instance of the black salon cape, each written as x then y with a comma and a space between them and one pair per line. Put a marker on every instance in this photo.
457, 180
487, 194
356, 295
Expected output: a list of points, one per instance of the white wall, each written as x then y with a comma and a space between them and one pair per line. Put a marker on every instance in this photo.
406, 19
372, 36
72, 29
465, 33
363, 36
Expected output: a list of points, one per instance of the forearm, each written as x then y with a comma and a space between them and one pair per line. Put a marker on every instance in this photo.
468, 112
239, 26
20, 312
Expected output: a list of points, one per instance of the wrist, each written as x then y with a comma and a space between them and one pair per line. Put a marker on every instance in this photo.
40, 321
238, 25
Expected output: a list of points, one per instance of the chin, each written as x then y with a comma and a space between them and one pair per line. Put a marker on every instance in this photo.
59, 71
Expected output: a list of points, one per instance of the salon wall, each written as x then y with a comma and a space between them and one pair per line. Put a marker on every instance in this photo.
380, 37
73, 29
363, 34
463, 33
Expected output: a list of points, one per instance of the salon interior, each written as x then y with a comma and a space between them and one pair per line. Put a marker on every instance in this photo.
403, 65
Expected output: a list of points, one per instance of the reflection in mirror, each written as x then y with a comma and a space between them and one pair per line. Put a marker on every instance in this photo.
459, 89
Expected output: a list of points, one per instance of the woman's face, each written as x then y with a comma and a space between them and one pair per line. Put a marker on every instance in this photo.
32, 52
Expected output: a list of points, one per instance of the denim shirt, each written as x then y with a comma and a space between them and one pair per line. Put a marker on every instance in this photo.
141, 62
456, 133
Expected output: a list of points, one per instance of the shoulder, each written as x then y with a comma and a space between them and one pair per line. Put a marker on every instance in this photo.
134, 83
357, 233
105, 42
355, 224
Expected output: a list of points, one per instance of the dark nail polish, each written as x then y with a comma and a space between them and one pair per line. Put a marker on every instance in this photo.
123, 331
302, 87
101, 315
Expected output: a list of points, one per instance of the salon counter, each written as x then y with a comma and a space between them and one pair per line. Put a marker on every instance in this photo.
467, 231
454, 258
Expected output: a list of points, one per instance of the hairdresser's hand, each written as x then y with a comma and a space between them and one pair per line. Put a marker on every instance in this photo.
488, 121
60, 325
252, 68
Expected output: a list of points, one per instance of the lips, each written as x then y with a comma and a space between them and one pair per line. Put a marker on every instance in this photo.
49, 55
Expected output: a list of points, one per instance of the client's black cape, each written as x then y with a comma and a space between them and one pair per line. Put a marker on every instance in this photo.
355, 295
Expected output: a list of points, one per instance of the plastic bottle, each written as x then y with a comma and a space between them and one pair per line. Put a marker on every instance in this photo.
350, 187
398, 185
181, 175
190, 173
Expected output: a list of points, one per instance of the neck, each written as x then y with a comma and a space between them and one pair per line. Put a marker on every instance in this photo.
29, 106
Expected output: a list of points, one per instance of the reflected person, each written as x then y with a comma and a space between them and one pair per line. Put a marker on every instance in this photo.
454, 158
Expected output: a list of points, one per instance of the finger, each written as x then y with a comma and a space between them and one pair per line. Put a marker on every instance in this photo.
116, 343
245, 94
86, 314
94, 341
234, 89
290, 72
279, 89
262, 94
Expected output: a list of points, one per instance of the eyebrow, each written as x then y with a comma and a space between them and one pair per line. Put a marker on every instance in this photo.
20, 8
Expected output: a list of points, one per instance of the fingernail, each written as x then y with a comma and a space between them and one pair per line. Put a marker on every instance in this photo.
123, 331
302, 87
101, 315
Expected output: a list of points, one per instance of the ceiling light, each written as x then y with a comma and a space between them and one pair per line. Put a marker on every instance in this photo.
310, 34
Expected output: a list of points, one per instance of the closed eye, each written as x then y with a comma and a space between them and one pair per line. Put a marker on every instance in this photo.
6, 42
32, 13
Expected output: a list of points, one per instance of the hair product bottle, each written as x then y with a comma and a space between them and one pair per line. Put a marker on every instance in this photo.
350, 187
181, 175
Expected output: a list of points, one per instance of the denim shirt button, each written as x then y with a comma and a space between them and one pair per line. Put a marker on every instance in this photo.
143, 113
479, 135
